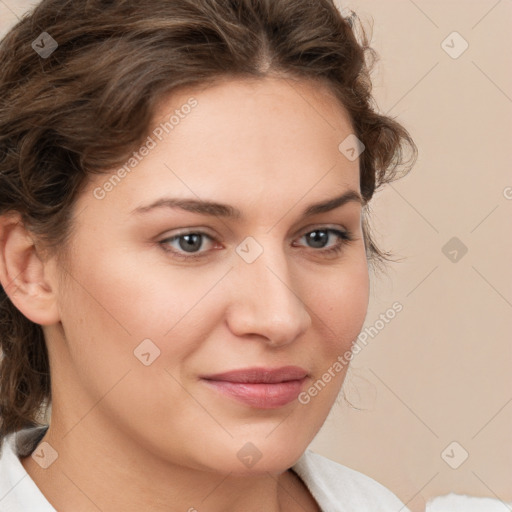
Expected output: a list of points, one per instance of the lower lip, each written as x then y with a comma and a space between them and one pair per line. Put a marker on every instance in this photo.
260, 396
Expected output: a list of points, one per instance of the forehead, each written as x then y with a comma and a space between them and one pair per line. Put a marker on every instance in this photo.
243, 141
246, 101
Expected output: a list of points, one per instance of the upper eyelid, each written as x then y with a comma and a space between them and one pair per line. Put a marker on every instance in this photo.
302, 232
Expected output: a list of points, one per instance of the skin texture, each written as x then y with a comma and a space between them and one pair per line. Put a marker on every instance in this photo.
134, 437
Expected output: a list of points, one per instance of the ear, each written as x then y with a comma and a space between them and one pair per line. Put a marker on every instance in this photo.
22, 273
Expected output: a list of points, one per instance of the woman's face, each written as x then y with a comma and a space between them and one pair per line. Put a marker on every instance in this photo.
146, 334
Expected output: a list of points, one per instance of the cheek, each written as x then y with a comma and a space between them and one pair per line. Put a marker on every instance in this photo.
340, 308
117, 300
127, 293
340, 305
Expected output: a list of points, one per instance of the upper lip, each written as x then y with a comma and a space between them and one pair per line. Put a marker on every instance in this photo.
260, 375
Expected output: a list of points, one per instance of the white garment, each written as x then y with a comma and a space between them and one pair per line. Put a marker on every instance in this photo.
461, 503
336, 488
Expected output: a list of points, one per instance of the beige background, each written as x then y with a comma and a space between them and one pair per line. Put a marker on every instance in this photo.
439, 372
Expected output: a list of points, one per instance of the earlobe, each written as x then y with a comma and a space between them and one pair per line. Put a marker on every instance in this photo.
22, 273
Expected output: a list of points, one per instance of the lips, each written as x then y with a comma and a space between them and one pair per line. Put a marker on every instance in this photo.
261, 388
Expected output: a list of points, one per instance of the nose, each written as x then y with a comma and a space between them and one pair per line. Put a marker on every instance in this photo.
264, 302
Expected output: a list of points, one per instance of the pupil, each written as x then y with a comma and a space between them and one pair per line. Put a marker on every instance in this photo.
193, 242
319, 236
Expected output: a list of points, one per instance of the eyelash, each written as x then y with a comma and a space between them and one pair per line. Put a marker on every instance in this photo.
345, 238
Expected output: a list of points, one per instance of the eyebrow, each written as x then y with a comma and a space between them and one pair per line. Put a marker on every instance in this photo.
205, 207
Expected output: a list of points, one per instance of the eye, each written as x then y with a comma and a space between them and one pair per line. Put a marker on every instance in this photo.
188, 242
320, 237
187, 245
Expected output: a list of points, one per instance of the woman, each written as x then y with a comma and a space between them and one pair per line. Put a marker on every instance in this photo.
185, 250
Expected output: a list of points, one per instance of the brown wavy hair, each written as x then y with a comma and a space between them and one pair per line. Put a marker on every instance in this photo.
87, 106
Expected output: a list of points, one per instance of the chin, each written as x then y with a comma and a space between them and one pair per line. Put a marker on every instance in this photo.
254, 456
